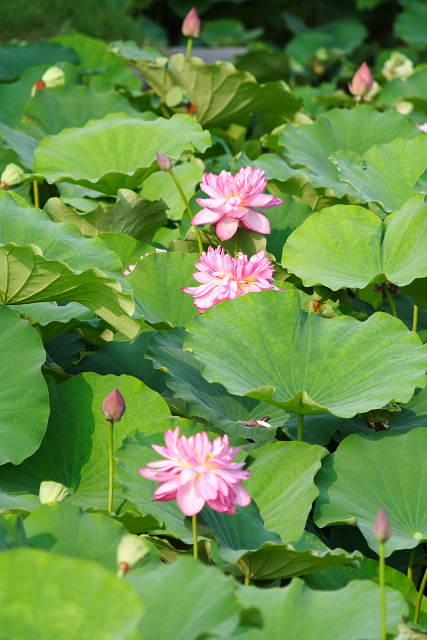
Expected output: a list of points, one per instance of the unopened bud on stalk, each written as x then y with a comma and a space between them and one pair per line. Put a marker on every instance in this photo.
11, 175
191, 25
362, 82
114, 406
52, 492
53, 77
164, 163
382, 528
130, 551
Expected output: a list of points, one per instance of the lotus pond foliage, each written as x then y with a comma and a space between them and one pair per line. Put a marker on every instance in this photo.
213, 328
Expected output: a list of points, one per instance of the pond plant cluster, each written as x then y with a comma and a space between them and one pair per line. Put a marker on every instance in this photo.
213, 328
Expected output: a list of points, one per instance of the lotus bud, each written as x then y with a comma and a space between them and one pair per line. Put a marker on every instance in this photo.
164, 163
130, 551
397, 66
362, 82
191, 24
382, 528
11, 175
114, 406
52, 492
53, 77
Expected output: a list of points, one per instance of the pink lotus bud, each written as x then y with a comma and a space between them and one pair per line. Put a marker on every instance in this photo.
114, 406
382, 528
191, 25
362, 81
164, 163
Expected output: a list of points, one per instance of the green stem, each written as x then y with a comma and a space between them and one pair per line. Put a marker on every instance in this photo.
195, 549
189, 45
382, 587
300, 426
110, 452
36, 194
390, 299
411, 563
187, 204
247, 581
236, 245
415, 320
420, 598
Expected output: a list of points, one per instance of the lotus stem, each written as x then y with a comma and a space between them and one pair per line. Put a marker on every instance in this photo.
189, 46
415, 320
247, 581
36, 194
111, 483
390, 299
236, 245
411, 563
195, 549
300, 426
187, 205
420, 598
382, 587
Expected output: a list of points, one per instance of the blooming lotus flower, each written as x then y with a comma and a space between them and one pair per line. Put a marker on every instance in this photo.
362, 82
234, 200
198, 472
423, 127
191, 25
126, 272
226, 278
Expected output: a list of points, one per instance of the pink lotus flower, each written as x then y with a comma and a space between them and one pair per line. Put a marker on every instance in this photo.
126, 272
232, 202
191, 25
423, 127
198, 471
226, 278
361, 83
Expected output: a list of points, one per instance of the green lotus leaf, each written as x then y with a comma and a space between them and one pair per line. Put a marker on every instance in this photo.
116, 152
411, 24
345, 35
282, 485
417, 290
15, 95
12, 532
127, 248
64, 598
157, 281
24, 407
23, 144
263, 345
206, 607
26, 276
351, 613
219, 91
412, 89
309, 147
49, 112
74, 450
373, 174
284, 219
365, 474
207, 400
131, 215
16, 58
348, 246
189, 175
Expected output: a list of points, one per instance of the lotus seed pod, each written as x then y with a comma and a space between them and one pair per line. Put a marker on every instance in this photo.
191, 24
53, 77
397, 66
164, 163
114, 406
52, 492
382, 528
130, 551
11, 175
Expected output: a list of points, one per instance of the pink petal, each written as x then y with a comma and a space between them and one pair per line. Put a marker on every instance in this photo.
189, 500
256, 222
226, 228
206, 216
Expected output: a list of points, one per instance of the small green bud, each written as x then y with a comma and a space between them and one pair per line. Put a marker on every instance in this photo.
130, 551
52, 492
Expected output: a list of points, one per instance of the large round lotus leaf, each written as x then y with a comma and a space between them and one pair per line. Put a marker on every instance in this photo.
369, 472
219, 92
74, 450
373, 175
348, 246
410, 25
15, 95
117, 151
45, 596
310, 146
19, 142
15, 58
157, 281
263, 345
65, 528
24, 405
185, 601
343, 34
352, 613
